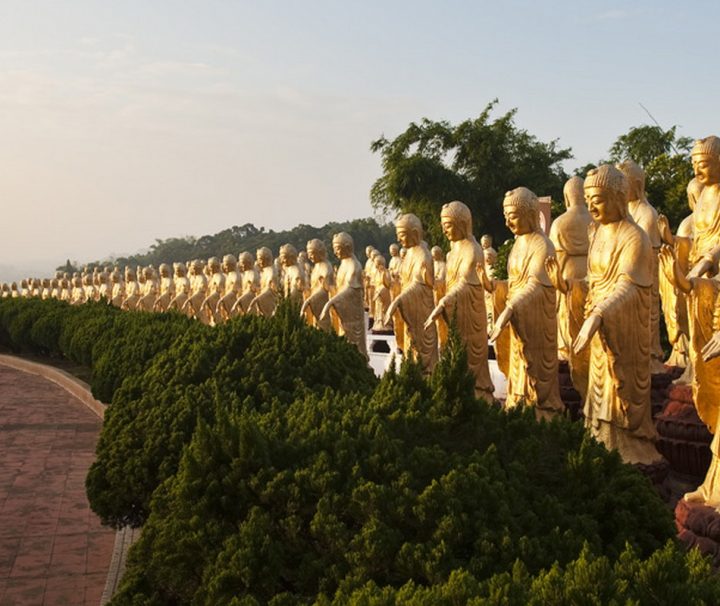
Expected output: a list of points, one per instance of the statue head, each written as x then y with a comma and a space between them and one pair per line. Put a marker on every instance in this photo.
115, 276
369, 250
180, 270
343, 245
264, 256
164, 270
149, 273
288, 255
486, 241
409, 231
574, 192
394, 250
456, 221
316, 250
705, 156
694, 189
213, 265
229, 263
379, 261
14, 286
245, 260
606, 190
437, 253
302, 257
522, 211
129, 274
403, 252
635, 176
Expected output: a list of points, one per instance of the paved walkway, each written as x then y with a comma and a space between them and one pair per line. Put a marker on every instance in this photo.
53, 549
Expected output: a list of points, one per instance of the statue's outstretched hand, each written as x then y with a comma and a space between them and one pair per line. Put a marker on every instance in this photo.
500, 323
552, 267
588, 329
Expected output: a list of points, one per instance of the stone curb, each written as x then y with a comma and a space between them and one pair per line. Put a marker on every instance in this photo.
72, 385
124, 537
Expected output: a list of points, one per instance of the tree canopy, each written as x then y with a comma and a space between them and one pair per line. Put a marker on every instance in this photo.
476, 161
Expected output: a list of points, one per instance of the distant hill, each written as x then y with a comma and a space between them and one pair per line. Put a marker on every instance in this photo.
249, 238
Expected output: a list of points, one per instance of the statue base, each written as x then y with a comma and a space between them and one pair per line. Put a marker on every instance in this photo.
659, 387
699, 526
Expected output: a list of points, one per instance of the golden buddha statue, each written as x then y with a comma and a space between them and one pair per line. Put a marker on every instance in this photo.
307, 267
395, 288
617, 323
45, 289
322, 283
674, 300
439, 271
149, 290
24, 291
165, 288
198, 291
88, 287
529, 311
490, 256
569, 235
117, 293
415, 301
65, 288
103, 291
265, 301
78, 291
368, 278
215, 292
464, 300
14, 292
646, 217
381, 296
131, 289
249, 284
233, 284
348, 299
293, 274
181, 286
701, 288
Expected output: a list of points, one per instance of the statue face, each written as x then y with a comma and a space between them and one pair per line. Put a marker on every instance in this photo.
451, 229
603, 207
707, 169
340, 250
517, 220
406, 237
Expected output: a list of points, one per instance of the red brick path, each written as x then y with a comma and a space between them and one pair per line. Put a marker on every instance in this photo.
53, 549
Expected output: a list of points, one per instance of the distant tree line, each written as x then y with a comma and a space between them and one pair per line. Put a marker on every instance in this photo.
249, 238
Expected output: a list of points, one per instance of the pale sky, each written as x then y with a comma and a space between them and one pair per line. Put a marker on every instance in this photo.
122, 122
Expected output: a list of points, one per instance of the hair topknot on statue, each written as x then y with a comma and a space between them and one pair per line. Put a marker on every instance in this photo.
411, 222
609, 177
709, 146
523, 198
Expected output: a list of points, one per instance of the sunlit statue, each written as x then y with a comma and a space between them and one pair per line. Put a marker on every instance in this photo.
617, 322
701, 287
646, 217
149, 290
368, 278
249, 284
233, 285
23, 290
348, 298
439, 289
89, 287
36, 286
675, 304
307, 270
569, 235
198, 291
45, 289
464, 300
529, 312
14, 292
6, 292
490, 256
181, 285
65, 288
78, 291
293, 274
117, 293
132, 290
415, 301
381, 296
166, 288
265, 301
215, 292
322, 283
104, 288
395, 288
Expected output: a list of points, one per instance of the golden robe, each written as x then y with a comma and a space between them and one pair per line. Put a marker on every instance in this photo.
348, 303
321, 282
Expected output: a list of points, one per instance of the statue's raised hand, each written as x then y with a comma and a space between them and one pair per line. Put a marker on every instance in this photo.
552, 267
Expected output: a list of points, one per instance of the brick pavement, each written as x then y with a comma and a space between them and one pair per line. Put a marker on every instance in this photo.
53, 549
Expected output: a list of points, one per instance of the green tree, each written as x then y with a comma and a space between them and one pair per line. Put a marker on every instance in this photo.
476, 161
665, 156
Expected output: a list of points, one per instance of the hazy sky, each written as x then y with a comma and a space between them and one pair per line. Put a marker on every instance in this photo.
122, 122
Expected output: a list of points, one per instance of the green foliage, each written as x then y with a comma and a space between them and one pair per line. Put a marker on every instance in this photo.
416, 487
249, 238
668, 168
476, 161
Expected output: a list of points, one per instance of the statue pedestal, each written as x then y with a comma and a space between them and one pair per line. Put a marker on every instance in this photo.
684, 441
659, 387
699, 526
568, 394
